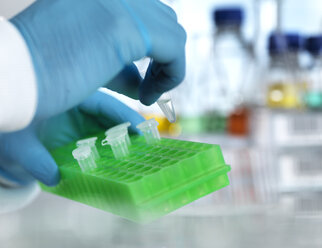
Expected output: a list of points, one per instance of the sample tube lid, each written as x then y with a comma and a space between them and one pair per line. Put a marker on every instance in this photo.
88, 141
284, 42
313, 44
81, 152
147, 124
119, 128
114, 138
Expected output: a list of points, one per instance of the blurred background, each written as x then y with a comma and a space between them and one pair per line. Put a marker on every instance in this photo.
253, 86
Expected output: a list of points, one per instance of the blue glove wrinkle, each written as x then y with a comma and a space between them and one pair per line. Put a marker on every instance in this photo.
127, 82
140, 26
103, 105
167, 10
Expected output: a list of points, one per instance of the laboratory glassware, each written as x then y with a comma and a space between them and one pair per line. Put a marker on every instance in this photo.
284, 76
313, 97
233, 60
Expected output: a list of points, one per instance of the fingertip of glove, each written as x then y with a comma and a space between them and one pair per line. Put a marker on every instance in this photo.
48, 173
148, 98
52, 180
44, 169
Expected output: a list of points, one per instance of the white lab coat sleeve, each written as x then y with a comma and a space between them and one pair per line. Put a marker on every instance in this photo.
18, 86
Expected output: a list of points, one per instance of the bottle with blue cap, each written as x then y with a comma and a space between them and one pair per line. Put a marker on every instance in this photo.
313, 97
224, 68
235, 68
233, 60
285, 82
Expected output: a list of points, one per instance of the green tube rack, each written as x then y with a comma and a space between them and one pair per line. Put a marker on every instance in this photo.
151, 182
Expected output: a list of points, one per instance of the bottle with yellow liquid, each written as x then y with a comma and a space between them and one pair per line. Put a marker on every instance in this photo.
284, 78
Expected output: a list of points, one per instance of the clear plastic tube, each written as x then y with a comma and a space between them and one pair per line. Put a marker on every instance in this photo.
122, 129
166, 105
118, 143
149, 128
91, 143
85, 158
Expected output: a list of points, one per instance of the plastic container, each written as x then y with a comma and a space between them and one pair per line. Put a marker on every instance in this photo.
149, 128
166, 105
118, 143
153, 181
85, 158
91, 142
122, 129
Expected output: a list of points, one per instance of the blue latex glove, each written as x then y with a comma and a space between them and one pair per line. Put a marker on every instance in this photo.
80, 45
24, 154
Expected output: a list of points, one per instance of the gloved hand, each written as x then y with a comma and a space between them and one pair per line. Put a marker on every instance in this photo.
24, 154
80, 45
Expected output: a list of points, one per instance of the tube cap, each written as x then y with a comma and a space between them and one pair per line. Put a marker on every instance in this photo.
89, 141
228, 16
81, 152
313, 44
280, 43
147, 124
119, 128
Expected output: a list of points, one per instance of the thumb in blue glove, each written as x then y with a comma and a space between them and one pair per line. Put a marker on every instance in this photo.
24, 154
78, 46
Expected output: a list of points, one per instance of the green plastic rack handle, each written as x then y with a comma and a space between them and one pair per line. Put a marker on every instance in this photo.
153, 181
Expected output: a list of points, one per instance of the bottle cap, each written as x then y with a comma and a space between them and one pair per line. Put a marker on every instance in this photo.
228, 16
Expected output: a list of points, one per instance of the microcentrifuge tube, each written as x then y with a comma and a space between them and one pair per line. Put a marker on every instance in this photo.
85, 158
166, 105
149, 128
122, 129
118, 143
91, 143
